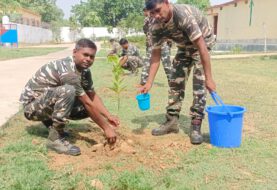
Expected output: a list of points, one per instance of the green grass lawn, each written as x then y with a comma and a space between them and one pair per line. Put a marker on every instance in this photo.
13, 53
24, 162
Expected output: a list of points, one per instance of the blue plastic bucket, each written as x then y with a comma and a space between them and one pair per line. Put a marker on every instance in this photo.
225, 123
143, 101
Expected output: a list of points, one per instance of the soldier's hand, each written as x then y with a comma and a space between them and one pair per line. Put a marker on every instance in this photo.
210, 85
110, 135
113, 120
138, 87
145, 88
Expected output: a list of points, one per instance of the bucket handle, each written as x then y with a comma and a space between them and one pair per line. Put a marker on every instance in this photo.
218, 101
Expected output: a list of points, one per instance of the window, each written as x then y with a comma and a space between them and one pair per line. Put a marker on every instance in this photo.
215, 24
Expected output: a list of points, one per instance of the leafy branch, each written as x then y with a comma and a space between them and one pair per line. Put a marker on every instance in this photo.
118, 72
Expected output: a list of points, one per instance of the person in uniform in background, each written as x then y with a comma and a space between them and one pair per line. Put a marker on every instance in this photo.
189, 29
130, 58
115, 48
62, 90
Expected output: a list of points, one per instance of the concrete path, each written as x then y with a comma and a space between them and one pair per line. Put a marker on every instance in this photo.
15, 73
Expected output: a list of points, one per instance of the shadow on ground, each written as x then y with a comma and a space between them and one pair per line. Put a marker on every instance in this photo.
144, 122
73, 129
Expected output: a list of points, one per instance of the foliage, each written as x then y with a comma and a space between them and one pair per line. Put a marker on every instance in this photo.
49, 12
138, 180
117, 77
236, 49
133, 21
201, 4
138, 41
46, 8
24, 165
110, 12
86, 16
75, 27
8, 8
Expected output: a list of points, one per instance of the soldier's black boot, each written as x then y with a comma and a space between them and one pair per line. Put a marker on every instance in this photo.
59, 145
48, 123
170, 126
195, 131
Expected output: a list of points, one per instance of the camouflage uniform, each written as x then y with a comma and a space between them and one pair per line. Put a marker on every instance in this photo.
165, 53
186, 25
115, 49
51, 94
134, 60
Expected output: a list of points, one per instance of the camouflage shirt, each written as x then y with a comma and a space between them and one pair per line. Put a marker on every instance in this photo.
54, 74
147, 30
186, 25
148, 22
131, 51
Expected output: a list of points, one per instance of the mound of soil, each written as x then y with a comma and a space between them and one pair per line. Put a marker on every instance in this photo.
130, 152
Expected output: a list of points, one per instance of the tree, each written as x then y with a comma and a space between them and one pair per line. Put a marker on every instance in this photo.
74, 26
110, 12
49, 12
118, 72
86, 13
8, 8
201, 4
133, 21
46, 8
114, 11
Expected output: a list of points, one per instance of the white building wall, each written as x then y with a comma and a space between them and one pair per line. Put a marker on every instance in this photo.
68, 35
33, 35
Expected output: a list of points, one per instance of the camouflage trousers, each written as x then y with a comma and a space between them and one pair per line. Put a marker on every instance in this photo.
56, 104
181, 68
165, 58
132, 63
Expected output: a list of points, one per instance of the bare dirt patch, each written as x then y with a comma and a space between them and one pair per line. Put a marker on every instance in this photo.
130, 152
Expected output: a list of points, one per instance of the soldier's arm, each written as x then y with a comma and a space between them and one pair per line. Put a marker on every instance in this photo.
91, 107
103, 110
155, 63
94, 113
205, 60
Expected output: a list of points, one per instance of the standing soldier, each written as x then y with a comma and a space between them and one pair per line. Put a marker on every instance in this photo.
190, 30
62, 90
130, 57
165, 50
